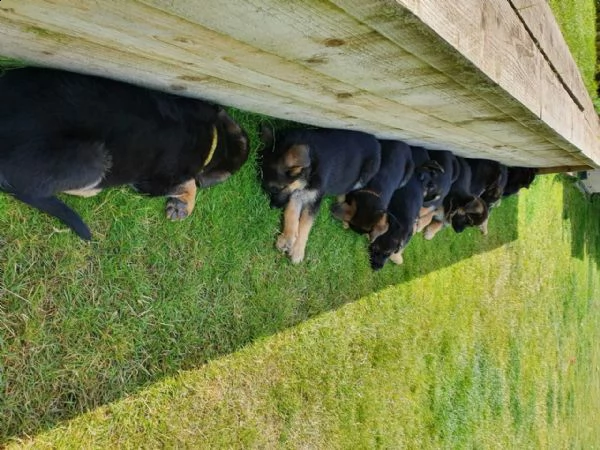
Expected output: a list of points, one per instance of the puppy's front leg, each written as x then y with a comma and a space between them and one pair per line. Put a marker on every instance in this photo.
397, 257
181, 200
307, 219
291, 217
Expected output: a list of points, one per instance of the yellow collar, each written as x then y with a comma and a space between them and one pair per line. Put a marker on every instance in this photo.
213, 147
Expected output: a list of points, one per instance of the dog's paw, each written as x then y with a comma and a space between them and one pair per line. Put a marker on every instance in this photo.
176, 209
428, 234
284, 243
296, 255
397, 258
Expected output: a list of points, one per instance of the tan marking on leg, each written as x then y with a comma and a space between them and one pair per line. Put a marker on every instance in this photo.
181, 202
83, 192
424, 220
397, 257
304, 227
291, 218
432, 229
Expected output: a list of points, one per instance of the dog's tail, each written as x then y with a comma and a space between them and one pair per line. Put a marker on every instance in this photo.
56, 208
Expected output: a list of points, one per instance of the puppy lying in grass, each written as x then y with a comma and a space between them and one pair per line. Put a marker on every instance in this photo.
301, 166
365, 210
62, 132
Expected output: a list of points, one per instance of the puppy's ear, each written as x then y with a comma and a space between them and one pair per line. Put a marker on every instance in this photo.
267, 136
297, 157
344, 211
475, 206
380, 227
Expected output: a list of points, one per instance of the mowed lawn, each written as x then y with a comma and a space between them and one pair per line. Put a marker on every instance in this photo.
199, 334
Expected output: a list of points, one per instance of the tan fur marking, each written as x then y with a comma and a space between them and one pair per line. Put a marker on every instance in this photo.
432, 229
297, 156
297, 185
397, 257
304, 227
380, 228
186, 192
424, 220
291, 218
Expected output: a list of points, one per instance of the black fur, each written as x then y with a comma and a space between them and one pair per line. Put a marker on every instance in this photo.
365, 209
488, 179
403, 212
64, 131
461, 208
517, 178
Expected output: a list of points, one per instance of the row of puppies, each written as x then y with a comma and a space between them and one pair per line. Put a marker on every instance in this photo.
386, 189
62, 132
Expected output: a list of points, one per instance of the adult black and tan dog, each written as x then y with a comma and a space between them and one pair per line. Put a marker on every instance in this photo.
365, 210
73, 133
300, 166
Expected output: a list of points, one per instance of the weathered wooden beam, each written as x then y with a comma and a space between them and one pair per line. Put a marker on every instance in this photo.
471, 76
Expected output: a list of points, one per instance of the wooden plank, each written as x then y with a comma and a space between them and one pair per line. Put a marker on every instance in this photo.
371, 65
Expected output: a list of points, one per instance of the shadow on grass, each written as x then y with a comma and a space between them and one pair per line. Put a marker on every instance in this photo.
583, 213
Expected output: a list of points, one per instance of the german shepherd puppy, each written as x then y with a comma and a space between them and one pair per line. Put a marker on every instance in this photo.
301, 166
77, 134
365, 210
443, 180
403, 212
462, 209
488, 180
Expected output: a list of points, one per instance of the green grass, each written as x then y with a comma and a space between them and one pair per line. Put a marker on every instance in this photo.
577, 20
200, 334
495, 350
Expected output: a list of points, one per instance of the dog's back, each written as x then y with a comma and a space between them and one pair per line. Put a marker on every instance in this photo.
341, 160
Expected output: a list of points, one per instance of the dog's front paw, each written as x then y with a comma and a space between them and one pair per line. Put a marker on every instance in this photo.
176, 209
284, 242
397, 258
296, 254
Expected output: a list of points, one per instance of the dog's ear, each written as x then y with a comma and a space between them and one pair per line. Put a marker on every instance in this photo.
267, 136
380, 227
344, 211
475, 206
297, 158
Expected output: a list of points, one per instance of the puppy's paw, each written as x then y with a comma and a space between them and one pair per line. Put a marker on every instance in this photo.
284, 242
397, 258
296, 255
176, 209
428, 234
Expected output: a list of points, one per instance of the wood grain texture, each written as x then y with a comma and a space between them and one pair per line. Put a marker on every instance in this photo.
468, 77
